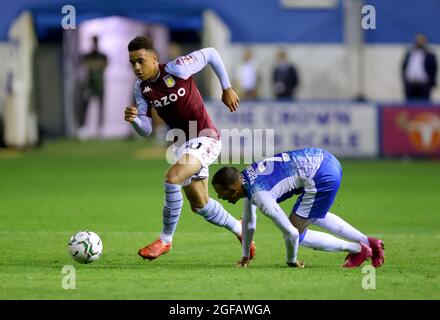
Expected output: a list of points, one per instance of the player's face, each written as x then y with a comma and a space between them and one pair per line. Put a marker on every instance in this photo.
232, 193
144, 64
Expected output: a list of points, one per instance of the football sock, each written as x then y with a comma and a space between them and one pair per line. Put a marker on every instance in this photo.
171, 211
326, 242
336, 225
214, 213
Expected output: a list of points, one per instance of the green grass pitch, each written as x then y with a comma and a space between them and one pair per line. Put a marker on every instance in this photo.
115, 189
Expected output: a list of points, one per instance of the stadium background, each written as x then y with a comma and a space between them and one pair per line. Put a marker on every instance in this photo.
52, 184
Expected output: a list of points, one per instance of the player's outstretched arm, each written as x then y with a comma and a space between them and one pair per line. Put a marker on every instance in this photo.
297, 264
243, 262
185, 66
229, 97
249, 224
248, 228
270, 208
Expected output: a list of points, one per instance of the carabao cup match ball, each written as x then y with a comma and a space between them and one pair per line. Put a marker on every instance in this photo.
85, 246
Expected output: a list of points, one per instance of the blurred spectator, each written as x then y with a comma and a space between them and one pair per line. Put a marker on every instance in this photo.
247, 77
419, 70
360, 97
95, 63
174, 50
2, 131
284, 77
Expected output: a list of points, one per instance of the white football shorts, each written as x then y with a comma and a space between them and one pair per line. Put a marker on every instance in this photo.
205, 149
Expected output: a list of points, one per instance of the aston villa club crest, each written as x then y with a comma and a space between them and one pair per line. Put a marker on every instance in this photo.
169, 81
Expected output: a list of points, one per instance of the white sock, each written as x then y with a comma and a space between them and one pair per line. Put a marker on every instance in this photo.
336, 225
214, 213
326, 242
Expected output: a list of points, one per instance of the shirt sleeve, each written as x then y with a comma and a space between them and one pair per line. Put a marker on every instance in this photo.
249, 225
142, 123
270, 208
185, 66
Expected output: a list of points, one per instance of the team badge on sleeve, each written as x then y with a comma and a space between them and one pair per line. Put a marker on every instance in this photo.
185, 60
169, 81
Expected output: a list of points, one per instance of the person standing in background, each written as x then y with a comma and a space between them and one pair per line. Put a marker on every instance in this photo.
95, 63
247, 77
419, 70
284, 77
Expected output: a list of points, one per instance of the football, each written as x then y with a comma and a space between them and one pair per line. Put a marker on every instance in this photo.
85, 246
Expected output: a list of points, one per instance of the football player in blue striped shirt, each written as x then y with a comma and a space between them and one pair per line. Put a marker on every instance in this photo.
315, 175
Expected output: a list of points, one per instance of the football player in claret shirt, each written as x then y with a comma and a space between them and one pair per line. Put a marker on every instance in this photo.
171, 91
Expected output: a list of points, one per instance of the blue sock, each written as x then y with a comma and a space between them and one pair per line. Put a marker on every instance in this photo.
171, 211
214, 213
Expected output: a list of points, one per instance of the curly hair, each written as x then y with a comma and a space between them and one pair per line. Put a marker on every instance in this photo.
141, 42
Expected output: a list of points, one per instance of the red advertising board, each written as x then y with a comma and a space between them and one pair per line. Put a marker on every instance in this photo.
410, 130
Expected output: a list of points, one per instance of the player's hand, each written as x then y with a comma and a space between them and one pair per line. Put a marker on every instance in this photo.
243, 263
130, 113
230, 99
296, 264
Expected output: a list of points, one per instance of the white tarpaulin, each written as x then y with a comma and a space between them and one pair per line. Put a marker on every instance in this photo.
20, 119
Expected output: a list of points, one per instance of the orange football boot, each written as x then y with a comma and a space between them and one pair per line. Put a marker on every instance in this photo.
154, 250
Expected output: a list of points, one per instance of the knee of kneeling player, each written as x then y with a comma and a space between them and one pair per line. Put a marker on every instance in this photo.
292, 233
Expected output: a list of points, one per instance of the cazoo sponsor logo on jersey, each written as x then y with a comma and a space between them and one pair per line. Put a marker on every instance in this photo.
166, 100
